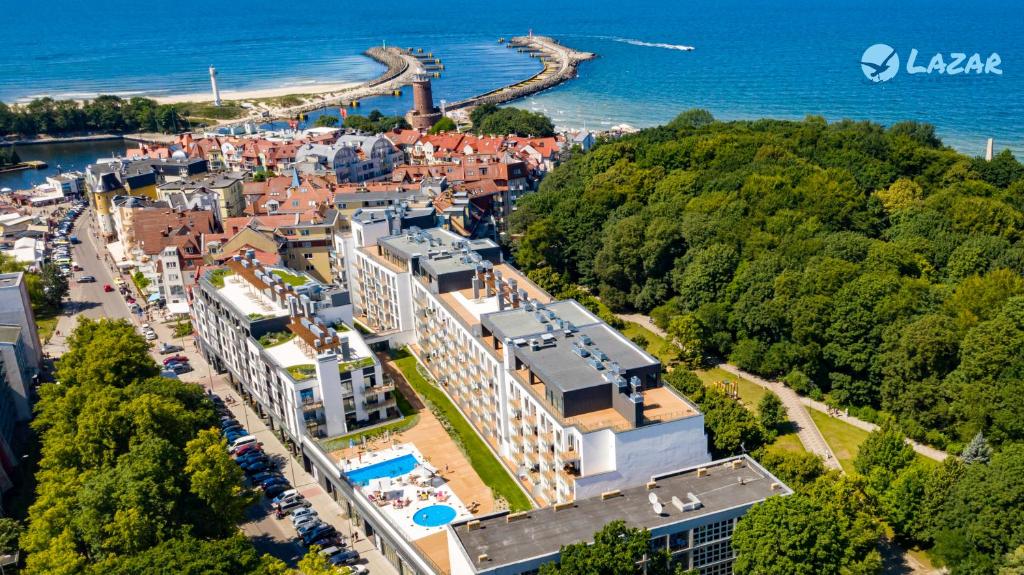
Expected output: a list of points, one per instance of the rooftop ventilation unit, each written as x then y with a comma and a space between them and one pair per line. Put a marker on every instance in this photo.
614, 367
595, 363
600, 354
552, 314
586, 340
635, 383
535, 344
547, 338
582, 352
519, 341
692, 503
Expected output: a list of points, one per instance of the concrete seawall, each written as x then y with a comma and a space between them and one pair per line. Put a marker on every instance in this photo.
560, 65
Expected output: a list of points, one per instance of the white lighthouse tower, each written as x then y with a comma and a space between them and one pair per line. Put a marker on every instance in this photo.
213, 84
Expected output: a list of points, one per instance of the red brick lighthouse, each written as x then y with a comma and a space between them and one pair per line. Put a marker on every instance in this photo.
423, 114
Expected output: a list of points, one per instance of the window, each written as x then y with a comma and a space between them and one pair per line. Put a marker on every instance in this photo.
712, 532
307, 256
712, 554
679, 540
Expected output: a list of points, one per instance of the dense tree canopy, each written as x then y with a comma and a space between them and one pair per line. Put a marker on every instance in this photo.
102, 114
616, 550
131, 474
490, 119
870, 264
375, 122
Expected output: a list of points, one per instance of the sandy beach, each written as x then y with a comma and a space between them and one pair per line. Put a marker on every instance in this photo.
317, 88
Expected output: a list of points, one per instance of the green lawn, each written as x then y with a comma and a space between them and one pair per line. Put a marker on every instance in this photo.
750, 392
46, 321
843, 438
788, 442
657, 346
301, 372
486, 465
290, 279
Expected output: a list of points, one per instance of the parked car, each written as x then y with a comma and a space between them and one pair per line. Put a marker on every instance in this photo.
175, 358
303, 514
261, 477
358, 570
150, 335
107, 288
180, 368
273, 481
286, 495
227, 422
320, 532
86, 279
245, 440
247, 448
235, 426
166, 348
309, 526
256, 467
332, 550
295, 503
344, 558
275, 490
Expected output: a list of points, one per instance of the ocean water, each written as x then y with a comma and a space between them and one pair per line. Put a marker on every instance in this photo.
751, 58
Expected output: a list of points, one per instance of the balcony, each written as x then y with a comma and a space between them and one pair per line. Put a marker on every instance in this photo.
311, 404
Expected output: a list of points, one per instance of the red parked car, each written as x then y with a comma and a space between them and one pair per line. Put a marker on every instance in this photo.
175, 359
247, 448
107, 288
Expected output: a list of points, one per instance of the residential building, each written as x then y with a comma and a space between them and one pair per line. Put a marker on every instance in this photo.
573, 406
70, 184
690, 514
285, 340
220, 192
16, 309
139, 177
352, 158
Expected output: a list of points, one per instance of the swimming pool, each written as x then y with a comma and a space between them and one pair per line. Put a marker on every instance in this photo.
434, 516
390, 468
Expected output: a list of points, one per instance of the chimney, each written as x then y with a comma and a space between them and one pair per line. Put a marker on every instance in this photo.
346, 351
477, 284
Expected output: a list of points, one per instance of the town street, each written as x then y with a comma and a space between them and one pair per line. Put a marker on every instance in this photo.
268, 534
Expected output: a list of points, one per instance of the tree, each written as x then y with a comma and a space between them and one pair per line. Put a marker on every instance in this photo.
10, 531
686, 334
80, 366
54, 286
216, 479
616, 550
886, 449
977, 451
788, 536
798, 470
771, 411
506, 121
313, 563
445, 124
326, 121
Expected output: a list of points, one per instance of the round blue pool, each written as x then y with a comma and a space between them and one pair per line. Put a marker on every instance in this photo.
434, 516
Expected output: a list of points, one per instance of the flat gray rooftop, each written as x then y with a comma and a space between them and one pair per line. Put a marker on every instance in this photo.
544, 531
413, 242
10, 279
516, 323
555, 360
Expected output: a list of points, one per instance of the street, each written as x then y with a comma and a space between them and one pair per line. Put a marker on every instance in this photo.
269, 535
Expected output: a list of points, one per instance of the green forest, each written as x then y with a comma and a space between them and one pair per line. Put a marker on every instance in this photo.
103, 114
134, 477
870, 266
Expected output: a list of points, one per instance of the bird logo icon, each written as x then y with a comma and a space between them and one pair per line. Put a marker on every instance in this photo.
880, 63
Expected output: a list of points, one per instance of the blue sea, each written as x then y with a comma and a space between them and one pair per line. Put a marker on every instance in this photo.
751, 58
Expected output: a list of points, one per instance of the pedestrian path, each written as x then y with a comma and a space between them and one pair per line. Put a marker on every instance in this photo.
809, 434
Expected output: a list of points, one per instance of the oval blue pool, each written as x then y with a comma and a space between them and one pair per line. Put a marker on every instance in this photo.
434, 516
390, 468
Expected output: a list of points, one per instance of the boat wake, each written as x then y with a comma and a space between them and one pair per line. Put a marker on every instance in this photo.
635, 42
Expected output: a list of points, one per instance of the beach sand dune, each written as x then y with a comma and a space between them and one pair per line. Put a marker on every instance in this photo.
317, 88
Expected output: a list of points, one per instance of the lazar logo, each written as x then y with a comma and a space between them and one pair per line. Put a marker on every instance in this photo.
881, 63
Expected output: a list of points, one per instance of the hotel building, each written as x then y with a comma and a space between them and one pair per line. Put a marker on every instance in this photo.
573, 407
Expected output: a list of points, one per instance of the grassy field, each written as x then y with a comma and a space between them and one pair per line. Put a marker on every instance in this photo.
657, 346
788, 442
203, 110
47, 323
480, 456
843, 438
750, 392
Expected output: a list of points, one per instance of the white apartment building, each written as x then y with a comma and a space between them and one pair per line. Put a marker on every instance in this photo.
270, 335
573, 407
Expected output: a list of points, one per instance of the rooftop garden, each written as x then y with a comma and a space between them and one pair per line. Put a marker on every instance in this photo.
302, 371
275, 338
290, 279
216, 277
346, 366
257, 316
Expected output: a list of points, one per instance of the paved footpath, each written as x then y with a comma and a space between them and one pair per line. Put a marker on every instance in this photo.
796, 405
809, 434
